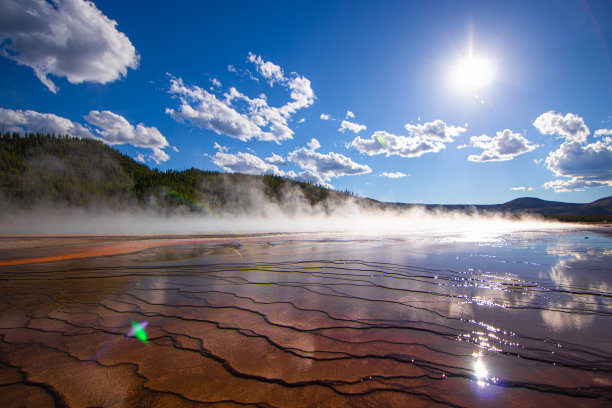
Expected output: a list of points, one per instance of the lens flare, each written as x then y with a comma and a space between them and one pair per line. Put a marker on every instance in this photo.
138, 330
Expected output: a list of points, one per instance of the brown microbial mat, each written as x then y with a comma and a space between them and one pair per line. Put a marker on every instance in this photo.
306, 320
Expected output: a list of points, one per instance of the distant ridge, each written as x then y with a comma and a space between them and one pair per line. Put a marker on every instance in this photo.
602, 206
45, 170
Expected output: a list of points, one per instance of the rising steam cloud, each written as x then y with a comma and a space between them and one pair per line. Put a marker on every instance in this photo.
249, 210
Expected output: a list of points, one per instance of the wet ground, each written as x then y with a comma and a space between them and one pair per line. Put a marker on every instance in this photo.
309, 320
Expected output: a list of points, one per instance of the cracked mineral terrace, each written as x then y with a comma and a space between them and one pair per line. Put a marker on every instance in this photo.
307, 320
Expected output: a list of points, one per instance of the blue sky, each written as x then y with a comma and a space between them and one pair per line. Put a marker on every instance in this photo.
432, 102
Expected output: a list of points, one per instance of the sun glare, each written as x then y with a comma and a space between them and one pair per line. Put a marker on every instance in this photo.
472, 73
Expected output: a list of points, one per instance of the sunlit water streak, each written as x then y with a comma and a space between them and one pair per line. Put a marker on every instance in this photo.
318, 320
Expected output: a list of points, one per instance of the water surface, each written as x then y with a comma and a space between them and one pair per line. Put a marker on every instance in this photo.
310, 320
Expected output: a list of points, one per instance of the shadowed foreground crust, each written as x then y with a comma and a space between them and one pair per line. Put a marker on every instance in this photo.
281, 322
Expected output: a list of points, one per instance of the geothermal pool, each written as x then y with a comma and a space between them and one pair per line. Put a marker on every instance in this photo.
307, 320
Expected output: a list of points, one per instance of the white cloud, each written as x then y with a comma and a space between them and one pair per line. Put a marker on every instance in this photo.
325, 116
219, 147
574, 184
397, 174
302, 120
244, 163
140, 158
436, 130
584, 165
231, 68
326, 165
270, 71
350, 114
276, 159
67, 38
216, 83
570, 126
389, 144
426, 138
521, 188
115, 129
158, 155
34, 122
109, 128
204, 110
603, 132
591, 162
237, 115
504, 146
353, 127
308, 176
313, 144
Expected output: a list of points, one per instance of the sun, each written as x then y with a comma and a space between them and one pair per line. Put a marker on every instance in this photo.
472, 73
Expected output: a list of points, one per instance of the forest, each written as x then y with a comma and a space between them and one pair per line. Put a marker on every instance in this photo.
65, 171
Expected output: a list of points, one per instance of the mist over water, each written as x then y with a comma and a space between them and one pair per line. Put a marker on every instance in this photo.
347, 217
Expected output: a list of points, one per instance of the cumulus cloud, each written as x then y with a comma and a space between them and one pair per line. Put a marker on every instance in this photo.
270, 71
504, 146
216, 83
158, 155
107, 127
325, 116
244, 163
574, 184
219, 147
436, 130
521, 188
22, 121
603, 132
389, 144
66, 38
115, 129
582, 164
202, 109
238, 116
426, 138
350, 114
395, 175
326, 165
570, 126
353, 127
302, 120
308, 176
276, 159
592, 162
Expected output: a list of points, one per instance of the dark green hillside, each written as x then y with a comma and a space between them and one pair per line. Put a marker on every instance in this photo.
43, 170
65, 171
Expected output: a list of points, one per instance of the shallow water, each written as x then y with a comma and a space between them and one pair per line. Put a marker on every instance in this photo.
312, 320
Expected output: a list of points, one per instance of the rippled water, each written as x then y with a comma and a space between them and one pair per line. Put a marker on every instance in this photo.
316, 320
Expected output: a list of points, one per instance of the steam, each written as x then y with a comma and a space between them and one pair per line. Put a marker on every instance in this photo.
247, 209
